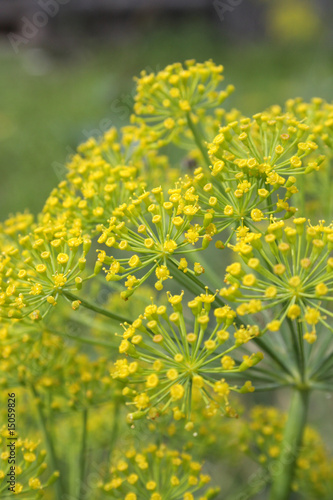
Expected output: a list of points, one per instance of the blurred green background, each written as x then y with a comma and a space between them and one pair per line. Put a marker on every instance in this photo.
74, 78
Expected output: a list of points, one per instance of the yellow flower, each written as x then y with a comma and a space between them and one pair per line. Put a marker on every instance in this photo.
294, 311
177, 391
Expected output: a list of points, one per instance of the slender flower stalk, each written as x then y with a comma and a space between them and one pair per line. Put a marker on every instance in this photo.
291, 444
49, 443
83, 455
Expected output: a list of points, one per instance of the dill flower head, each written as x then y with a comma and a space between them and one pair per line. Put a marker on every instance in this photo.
227, 198
158, 473
318, 115
104, 173
29, 466
254, 169
266, 147
62, 377
165, 100
153, 234
288, 271
211, 436
38, 267
263, 435
17, 224
15, 338
173, 360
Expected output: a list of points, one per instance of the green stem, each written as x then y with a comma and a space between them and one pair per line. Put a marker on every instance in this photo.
328, 201
86, 340
269, 202
257, 483
293, 337
211, 274
187, 281
115, 426
301, 351
191, 282
292, 440
320, 358
49, 443
83, 453
301, 197
323, 387
198, 139
325, 367
95, 308
270, 351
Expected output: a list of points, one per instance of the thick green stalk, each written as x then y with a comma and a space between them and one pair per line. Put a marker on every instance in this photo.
115, 426
260, 341
86, 340
199, 139
49, 443
83, 453
292, 440
257, 484
325, 186
210, 273
97, 309
301, 351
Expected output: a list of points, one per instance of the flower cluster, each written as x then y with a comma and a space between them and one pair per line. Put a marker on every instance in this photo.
158, 473
16, 224
250, 164
171, 101
29, 466
102, 175
266, 147
288, 271
318, 115
38, 267
262, 438
154, 232
173, 361
63, 378
211, 436
228, 199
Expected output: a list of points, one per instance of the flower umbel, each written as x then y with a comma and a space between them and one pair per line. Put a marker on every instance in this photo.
289, 273
165, 100
29, 466
172, 359
38, 268
158, 473
154, 232
268, 147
